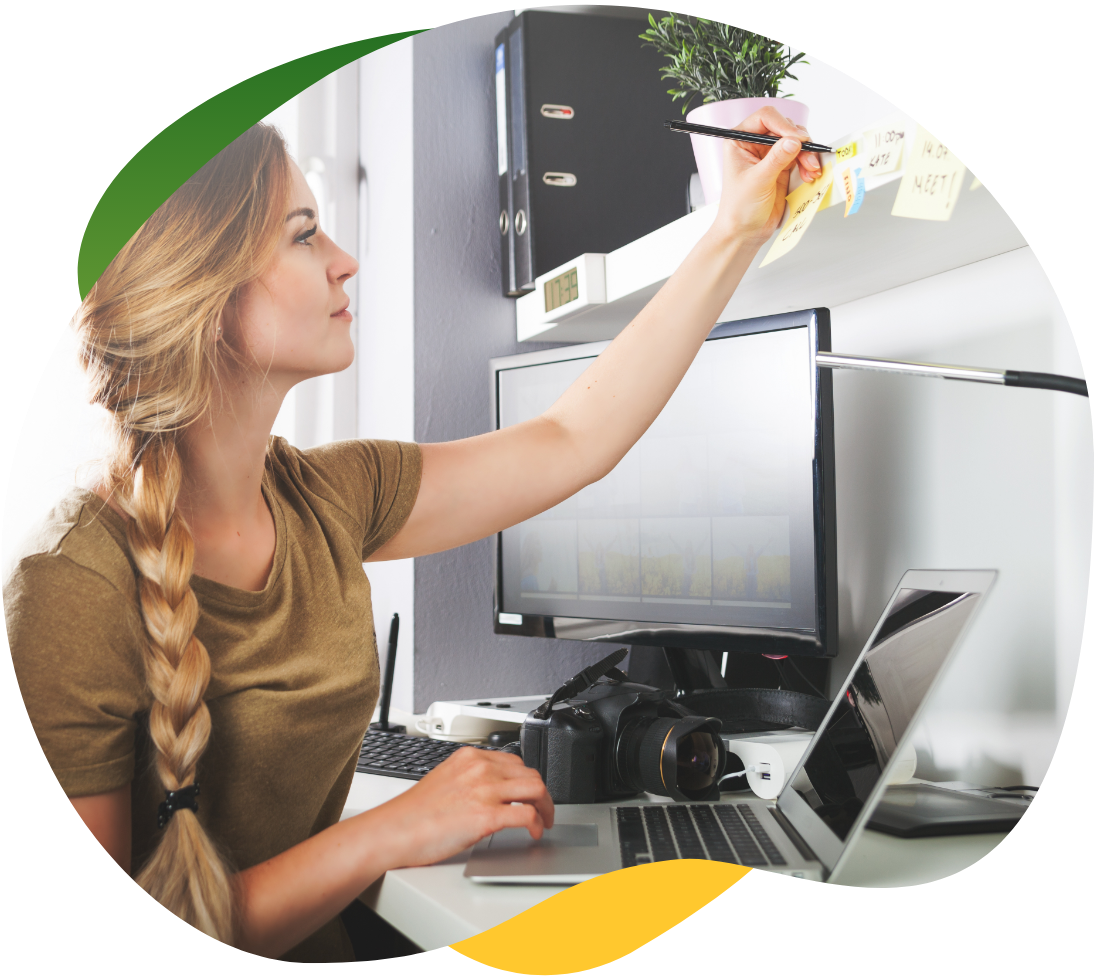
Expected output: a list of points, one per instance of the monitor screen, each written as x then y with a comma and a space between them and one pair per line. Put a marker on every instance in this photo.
714, 530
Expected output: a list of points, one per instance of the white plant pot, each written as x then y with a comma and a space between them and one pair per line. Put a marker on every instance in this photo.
709, 151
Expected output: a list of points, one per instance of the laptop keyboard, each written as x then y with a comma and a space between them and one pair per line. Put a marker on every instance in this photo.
724, 833
403, 755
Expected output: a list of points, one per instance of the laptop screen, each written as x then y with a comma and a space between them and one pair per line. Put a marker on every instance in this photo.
855, 747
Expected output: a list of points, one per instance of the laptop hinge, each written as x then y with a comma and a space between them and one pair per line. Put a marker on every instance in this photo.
791, 834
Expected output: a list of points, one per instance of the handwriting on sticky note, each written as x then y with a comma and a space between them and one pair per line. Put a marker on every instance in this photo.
804, 203
883, 150
847, 152
854, 187
931, 182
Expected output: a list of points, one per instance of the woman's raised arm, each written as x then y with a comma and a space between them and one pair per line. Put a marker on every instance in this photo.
478, 486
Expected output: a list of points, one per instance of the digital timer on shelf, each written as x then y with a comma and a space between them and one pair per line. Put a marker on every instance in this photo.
569, 290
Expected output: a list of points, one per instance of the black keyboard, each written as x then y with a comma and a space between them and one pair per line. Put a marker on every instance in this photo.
404, 756
725, 833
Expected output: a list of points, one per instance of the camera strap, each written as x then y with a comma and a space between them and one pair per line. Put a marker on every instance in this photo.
582, 680
750, 710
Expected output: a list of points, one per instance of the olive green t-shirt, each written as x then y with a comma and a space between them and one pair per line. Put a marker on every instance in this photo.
294, 668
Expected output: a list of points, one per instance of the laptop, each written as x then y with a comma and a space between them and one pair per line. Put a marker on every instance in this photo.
813, 826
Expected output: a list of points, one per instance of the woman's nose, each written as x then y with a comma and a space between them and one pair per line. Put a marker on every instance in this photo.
343, 265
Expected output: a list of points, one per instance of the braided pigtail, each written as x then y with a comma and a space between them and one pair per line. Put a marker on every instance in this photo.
154, 346
186, 872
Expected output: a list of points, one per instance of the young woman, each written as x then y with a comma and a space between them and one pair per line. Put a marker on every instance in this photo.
200, 619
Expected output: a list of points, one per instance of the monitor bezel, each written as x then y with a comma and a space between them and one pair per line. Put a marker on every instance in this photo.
820, 641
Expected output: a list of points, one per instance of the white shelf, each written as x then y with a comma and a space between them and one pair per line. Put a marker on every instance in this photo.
839, 260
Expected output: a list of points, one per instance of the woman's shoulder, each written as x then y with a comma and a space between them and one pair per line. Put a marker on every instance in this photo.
368, 485
80, 539
351, 471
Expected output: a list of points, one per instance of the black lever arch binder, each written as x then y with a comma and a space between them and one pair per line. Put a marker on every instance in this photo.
584, 162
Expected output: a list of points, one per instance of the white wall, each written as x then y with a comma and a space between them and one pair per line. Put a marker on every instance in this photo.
935, 473
386, 316
838, 104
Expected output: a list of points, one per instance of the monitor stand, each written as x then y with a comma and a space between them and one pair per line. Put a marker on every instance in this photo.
683, 670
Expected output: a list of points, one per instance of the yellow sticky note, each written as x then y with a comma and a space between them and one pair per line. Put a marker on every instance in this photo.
847, 152
883, 150
804, 203
932, 180
975, 184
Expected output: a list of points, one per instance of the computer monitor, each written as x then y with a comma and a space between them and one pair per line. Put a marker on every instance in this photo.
716, 531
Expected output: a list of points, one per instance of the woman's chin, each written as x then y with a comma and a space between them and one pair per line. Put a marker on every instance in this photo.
347, 355
337, 356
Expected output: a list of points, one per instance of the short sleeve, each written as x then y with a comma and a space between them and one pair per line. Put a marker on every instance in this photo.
75, 644
376, 482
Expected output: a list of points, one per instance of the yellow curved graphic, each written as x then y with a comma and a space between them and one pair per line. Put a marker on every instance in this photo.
602, 919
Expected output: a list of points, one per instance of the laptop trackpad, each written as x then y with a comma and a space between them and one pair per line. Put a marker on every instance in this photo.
559, 837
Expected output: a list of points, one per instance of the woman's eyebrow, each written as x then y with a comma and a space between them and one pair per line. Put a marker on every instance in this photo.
301, 212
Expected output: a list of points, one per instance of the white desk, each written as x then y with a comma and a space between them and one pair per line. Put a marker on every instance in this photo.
435, 905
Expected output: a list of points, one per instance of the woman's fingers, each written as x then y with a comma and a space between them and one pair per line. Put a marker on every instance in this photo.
529, 789
499, 779
507, 779
769, 121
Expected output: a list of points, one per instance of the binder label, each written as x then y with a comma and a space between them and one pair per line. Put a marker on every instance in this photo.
500, 106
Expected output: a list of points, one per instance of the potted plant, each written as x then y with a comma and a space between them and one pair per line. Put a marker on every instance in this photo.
734, 71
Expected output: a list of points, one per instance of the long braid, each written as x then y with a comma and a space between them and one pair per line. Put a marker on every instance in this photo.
186, 872
153, 345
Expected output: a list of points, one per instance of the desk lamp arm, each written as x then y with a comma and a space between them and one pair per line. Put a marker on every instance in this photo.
978, 375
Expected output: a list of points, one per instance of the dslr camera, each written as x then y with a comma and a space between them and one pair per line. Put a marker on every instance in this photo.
600, 737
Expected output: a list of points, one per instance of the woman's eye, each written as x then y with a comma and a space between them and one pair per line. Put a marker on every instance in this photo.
302, 238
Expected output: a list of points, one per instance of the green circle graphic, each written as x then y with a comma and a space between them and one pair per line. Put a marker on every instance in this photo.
160, 167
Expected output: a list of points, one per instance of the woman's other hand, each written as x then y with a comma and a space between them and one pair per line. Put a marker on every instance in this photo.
468, 796
756, 178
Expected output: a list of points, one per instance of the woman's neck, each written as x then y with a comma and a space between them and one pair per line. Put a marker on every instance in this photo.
224, 464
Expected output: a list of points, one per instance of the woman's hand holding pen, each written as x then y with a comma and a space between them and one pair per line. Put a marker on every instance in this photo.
756, 178
470, 795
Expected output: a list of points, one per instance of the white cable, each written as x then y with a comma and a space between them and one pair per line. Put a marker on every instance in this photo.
752, 769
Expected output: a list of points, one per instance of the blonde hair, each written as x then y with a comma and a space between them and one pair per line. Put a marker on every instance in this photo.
150, 334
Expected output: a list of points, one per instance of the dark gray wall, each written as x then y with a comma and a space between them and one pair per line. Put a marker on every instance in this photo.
461, 321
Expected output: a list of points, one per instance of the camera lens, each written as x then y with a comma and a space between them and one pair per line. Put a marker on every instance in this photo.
697, 761
677, 757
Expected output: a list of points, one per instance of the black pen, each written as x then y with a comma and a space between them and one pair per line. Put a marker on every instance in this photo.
745, 137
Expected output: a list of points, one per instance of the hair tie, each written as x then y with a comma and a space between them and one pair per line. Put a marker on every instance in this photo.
175, 801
